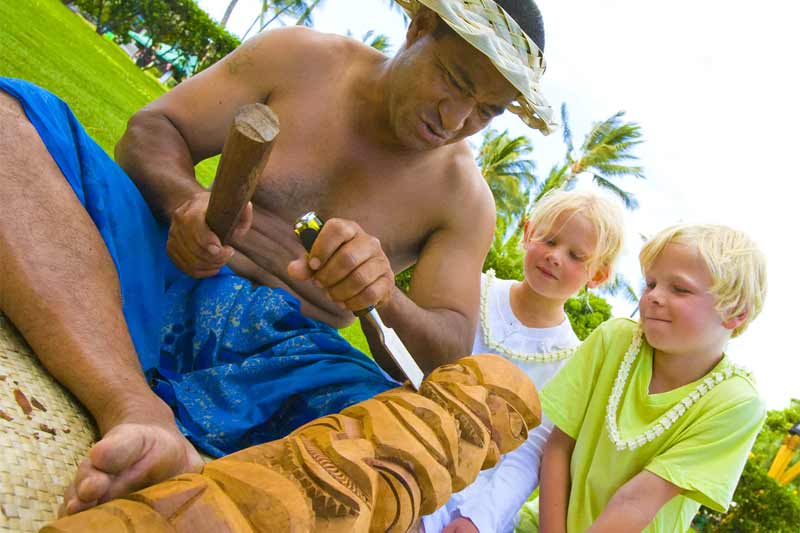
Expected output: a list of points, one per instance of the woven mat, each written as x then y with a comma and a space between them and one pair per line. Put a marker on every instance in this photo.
44, 434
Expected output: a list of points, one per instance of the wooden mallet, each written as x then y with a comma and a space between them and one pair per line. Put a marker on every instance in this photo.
244, 157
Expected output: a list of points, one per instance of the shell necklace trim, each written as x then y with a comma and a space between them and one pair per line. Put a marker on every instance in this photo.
496, 347
679, 409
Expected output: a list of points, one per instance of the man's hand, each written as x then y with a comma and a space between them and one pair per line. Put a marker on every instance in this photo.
460, 525
349, 264
192, 245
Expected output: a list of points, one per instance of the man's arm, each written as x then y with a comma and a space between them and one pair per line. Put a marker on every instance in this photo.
437, 320
169, 136
635, 504
555, 482
438, 317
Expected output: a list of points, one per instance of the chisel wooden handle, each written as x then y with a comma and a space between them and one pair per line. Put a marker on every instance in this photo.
244, 157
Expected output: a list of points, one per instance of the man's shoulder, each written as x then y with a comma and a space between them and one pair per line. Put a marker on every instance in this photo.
462, 182
312, 46
461, 174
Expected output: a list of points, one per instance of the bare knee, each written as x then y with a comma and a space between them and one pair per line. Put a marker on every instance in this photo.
16, 131
10, 108
22, 151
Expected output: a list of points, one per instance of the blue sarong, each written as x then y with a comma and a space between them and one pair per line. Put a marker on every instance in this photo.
239, 364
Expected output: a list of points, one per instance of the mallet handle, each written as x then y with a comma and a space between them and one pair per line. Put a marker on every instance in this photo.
244, 157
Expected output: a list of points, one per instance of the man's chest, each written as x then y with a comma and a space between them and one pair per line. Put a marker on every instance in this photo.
387, 197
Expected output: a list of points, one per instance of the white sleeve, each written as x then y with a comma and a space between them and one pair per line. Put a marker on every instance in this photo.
495, 507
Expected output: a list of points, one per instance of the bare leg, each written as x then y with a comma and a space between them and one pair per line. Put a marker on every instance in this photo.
58, 285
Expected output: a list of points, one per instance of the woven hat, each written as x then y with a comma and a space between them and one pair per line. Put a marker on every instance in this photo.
44, 434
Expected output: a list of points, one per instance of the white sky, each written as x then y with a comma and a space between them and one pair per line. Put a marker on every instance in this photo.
714, 85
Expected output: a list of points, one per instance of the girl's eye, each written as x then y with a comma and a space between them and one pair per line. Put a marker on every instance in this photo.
577, 257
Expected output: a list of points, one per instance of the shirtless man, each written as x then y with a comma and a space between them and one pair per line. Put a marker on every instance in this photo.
373, 144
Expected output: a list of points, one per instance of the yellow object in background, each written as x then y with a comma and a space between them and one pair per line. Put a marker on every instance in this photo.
780, 470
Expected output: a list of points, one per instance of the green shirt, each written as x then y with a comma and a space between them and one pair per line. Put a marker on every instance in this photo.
703, 452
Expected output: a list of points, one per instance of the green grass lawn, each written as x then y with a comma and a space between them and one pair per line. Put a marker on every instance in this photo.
45, 43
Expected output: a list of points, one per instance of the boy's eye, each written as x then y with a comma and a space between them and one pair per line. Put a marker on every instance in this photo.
680, 290
650, 285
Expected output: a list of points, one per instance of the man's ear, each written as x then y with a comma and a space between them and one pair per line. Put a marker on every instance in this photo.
423, 23
734, 321
600, 277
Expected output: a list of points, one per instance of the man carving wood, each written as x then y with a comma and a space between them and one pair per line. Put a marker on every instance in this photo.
241, 348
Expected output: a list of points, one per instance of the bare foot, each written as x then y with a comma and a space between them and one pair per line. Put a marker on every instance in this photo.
129, 457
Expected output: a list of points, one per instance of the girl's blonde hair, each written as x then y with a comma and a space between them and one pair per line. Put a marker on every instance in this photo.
738, 268
557, 207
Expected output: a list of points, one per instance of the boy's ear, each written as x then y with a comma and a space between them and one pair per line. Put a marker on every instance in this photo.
600, 277
734, 321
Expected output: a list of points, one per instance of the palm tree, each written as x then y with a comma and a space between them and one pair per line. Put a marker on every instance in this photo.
504, 166
509, 173
605, 153
272, 10
378, 41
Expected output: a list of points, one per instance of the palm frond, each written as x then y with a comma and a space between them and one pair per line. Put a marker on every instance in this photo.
305, 17
379, 42
619, 286
555, 179
611, 169
566, 132
627, 198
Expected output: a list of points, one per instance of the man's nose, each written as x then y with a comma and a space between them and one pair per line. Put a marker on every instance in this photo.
454, 112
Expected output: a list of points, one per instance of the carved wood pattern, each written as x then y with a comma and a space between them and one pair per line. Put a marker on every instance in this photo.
377, 466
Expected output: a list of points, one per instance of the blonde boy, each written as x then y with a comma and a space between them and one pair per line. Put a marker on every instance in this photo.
651, 418
571, 241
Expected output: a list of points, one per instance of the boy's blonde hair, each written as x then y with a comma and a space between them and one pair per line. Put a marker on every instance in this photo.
603, 212
738, 268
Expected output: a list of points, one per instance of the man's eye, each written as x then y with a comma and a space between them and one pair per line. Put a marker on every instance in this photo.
452, 80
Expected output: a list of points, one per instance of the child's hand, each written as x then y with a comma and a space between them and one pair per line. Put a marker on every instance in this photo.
460, 525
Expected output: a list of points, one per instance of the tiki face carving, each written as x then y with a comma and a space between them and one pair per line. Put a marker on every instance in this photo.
377, 466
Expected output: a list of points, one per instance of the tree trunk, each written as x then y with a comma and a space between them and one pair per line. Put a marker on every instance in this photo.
98, 28
228, 12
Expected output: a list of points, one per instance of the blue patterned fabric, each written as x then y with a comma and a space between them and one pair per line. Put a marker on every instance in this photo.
238, 364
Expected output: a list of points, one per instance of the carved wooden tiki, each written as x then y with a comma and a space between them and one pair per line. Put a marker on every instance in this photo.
377, 466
